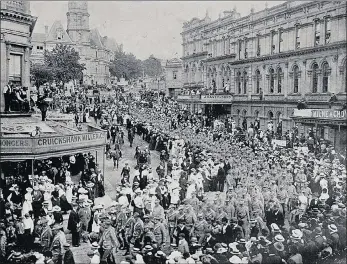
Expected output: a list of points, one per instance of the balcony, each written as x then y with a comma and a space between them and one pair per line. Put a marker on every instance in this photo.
227, 56
274, 97
193, 85
194, 55
319, 97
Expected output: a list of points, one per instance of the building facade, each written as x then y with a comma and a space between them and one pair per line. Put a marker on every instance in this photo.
269, 60
95, 51
173, 77
17, 26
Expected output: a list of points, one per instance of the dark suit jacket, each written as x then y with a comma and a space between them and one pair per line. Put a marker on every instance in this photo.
227, 236
68, 257
74, 219
209, 244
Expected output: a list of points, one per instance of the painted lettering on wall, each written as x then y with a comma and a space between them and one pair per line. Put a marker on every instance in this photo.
53, 141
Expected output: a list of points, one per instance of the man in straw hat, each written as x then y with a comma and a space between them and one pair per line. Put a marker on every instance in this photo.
56, 246
108, 243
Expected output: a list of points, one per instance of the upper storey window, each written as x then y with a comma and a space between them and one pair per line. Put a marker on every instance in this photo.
317, 33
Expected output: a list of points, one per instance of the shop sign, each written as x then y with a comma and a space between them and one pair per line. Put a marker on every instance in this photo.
58, 143
321, 113
15, 145
329, 113
220, 98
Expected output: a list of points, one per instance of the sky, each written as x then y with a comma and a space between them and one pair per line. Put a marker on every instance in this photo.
143, 27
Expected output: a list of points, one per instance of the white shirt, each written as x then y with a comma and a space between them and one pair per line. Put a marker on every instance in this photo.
95, 259
28, 223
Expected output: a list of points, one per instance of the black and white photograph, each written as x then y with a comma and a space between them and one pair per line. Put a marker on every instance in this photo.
173, 132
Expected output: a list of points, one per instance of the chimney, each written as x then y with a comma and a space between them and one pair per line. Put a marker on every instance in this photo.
46, 30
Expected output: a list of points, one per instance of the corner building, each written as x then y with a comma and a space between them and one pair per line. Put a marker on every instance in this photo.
268, 59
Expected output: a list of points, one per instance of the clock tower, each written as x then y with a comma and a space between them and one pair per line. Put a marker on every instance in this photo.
78, 21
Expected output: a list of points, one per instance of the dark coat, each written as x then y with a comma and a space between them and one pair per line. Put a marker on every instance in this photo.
73, 221
68, 257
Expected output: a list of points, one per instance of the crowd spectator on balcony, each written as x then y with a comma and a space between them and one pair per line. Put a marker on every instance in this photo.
7, 91
301, 105
332, 100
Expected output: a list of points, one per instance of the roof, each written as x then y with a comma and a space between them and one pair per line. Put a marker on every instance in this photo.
38, 37
53, 33
95, 38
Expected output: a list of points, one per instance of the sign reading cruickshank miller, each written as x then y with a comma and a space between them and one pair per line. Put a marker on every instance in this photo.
52, 143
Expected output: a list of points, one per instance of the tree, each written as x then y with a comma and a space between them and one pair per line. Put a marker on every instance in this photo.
63, 61
41, 74
125, 65
152, 66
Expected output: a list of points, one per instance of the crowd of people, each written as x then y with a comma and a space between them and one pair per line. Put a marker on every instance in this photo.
33, 208
216, 197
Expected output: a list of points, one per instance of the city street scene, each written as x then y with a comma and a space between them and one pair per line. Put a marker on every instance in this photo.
179, 132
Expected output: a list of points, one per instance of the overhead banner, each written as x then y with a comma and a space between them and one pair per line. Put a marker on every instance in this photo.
26, 128
57, 117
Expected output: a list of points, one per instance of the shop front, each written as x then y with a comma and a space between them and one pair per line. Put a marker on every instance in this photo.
327, 124
22, 151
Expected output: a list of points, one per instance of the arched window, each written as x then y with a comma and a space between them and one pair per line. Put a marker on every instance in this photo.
315, 78
238, 80
272, 80
325, 73
257, 81
270, 115
256, 114
245, 79
296, 79
279, 80
244, 113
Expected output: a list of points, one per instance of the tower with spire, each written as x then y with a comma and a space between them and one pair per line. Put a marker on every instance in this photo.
78, 21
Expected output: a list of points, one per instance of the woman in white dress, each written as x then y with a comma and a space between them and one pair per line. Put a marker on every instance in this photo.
47, 197
28, 199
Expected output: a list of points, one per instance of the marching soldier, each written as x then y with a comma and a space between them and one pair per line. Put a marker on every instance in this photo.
159, 232
221, 214
190, 218
172, 221
127, 231
199, 228
56, 246
108, 243
46, 235
137, 230
121, 219
210, 214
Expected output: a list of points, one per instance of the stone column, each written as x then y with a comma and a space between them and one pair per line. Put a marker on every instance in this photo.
219, 81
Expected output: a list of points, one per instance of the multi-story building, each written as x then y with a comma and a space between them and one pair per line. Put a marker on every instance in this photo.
269, 60
95, 51
17, 26
173, 77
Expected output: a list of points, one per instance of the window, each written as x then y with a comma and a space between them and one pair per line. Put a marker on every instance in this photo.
273, 42
279, 80
315, 78
258, 46
15, 68
272, 80
174, 75
257, 81
280, 40
296, 79
246, 53
240, 48
317, 33
327, 30
59, 34
238, 80
325, 72
39, 47
245, 79
227, 45
96, 54
297, 37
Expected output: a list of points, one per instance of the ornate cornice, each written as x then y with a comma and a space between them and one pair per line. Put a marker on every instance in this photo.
233, 55
288, 54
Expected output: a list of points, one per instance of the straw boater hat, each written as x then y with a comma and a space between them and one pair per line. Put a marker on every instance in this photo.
29, 189
332, 228
56, 208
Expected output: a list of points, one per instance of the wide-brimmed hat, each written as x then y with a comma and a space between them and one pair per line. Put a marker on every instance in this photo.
235, 260
279, 246
332, 228
279, 238
56, 208
29, 189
